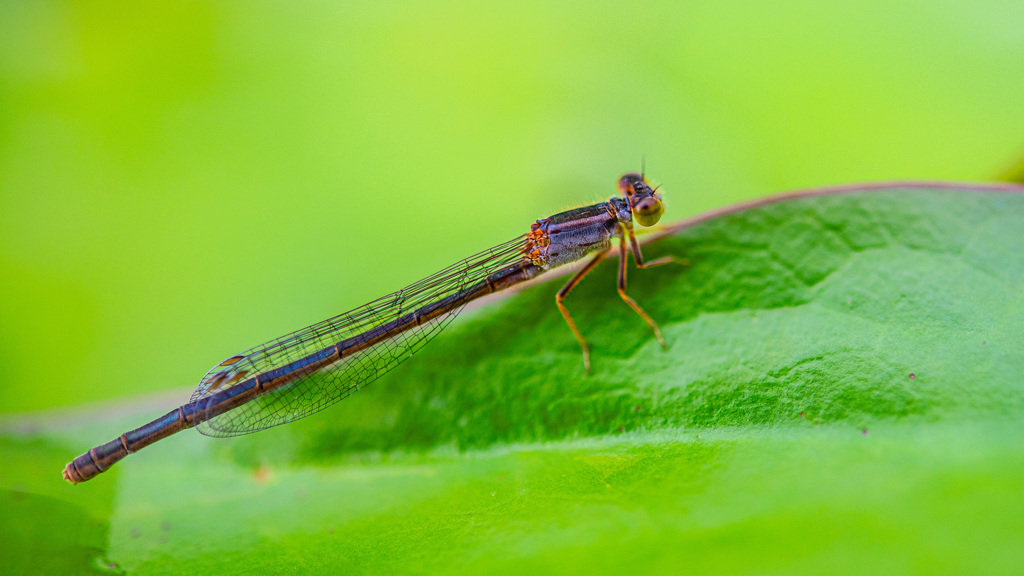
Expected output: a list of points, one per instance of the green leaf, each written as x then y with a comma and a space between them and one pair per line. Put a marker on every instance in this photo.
843, 393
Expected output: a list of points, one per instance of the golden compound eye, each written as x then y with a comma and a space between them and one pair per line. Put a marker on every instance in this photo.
648, 211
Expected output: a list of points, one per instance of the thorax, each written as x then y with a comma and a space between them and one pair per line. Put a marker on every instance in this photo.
568, 236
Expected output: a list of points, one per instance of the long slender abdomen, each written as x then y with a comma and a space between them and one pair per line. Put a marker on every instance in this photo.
102, 457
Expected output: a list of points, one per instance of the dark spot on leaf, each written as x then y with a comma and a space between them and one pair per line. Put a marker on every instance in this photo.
912, 376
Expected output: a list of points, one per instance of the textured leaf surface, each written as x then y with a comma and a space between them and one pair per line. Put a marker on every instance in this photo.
843, 393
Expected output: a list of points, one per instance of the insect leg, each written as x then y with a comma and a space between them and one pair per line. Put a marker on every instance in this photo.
565, 312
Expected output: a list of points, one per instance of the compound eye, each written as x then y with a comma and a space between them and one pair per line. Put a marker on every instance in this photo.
648, 211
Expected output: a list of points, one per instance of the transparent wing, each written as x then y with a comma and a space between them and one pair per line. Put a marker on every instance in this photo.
300, 355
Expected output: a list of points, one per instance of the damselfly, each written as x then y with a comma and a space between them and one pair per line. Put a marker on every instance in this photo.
308, 370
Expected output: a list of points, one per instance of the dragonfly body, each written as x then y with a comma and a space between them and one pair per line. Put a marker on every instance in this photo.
304, 372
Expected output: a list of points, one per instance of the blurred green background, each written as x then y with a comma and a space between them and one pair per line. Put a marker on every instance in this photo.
179, 182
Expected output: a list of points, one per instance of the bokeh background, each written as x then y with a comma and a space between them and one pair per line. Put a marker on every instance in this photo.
181, 181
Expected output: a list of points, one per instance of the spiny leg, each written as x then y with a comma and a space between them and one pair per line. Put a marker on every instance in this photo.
632, 303
638, 257
565, 312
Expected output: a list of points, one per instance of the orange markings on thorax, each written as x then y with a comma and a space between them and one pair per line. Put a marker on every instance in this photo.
536, 240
